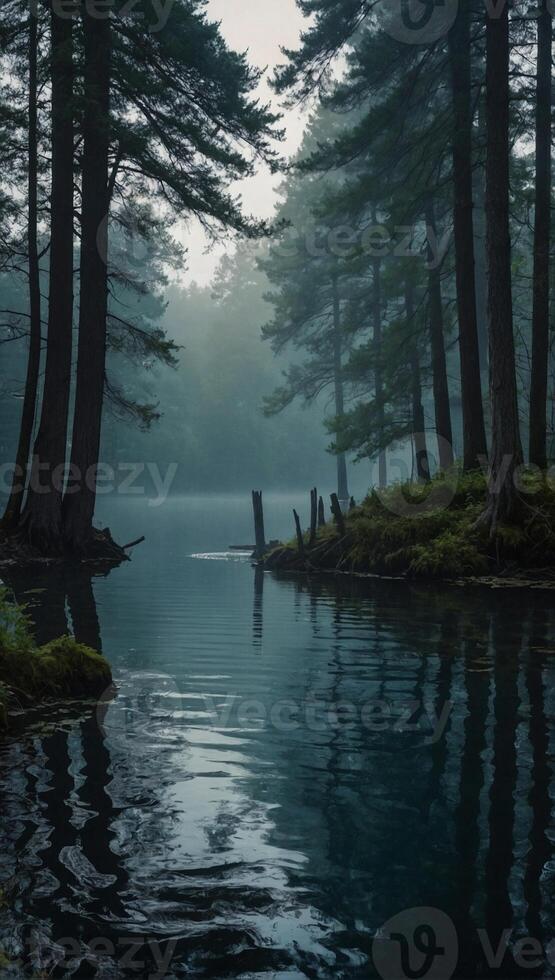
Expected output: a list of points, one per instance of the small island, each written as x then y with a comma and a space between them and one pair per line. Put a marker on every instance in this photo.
435, 530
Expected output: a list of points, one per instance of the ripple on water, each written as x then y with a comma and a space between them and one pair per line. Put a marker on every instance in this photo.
285, 766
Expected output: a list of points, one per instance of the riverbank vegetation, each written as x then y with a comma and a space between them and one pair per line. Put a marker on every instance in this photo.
433, 530
29, 674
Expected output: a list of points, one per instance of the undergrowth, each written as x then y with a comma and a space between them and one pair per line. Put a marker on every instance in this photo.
434, 530
63, 668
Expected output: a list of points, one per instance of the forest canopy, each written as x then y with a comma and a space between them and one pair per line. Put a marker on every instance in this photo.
399, 298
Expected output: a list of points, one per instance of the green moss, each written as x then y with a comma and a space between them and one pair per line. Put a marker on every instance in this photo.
67, 667
63, 668
448, 555
434, 530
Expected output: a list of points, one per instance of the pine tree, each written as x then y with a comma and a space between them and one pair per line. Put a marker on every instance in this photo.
42, 517
542, 228
79, 500
13, 508
474, 435
168, 114
442, 407
307, 300
506, 451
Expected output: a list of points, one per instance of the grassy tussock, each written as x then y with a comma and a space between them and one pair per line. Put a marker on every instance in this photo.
434, 531
60, 669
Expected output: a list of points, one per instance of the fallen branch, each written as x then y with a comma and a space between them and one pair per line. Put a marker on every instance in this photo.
133, 543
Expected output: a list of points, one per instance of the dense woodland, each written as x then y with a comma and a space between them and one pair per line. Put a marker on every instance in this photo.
405, 281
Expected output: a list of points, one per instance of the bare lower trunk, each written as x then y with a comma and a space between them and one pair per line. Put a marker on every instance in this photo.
506, 452
540, 309
43, 513
378, 380
474, 435
480, 262
79, 502
13, 508
437, 342
418, 421
342, 483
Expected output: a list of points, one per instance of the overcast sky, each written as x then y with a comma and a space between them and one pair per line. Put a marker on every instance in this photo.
260, 27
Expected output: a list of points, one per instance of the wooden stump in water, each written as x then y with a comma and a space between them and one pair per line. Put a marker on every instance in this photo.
300, 539
259, 535
321, 513
313, 514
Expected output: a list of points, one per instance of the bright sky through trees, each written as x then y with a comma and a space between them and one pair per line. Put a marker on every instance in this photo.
262, 28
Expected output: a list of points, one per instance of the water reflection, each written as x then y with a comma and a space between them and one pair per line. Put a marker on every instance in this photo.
58, 600
263, 816
258, 608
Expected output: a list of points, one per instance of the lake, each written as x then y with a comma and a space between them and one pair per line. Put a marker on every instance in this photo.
286, 766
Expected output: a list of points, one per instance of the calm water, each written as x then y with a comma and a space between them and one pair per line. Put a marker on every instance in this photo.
286, 766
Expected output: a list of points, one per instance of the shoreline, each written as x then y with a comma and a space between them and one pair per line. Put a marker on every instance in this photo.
485, 581
30, 676
430, 533
16, 552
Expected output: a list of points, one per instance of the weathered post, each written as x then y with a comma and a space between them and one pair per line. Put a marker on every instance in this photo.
352, 504
300, 539
338, 514
259, 536
313, 514
321, 513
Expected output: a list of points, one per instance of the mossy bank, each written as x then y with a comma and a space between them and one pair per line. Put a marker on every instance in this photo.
29, 675
433, 531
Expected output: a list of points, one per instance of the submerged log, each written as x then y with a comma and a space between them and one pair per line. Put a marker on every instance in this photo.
133, 544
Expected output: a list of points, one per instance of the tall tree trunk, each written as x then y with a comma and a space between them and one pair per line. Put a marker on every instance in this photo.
418, 421
79, 502
378, 380
540, 307
506, 451
480, 262
437, 343
480, 277
13, 508
474, 435
43, 513
342, 484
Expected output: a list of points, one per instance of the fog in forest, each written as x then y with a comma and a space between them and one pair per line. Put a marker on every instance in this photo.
277, 489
